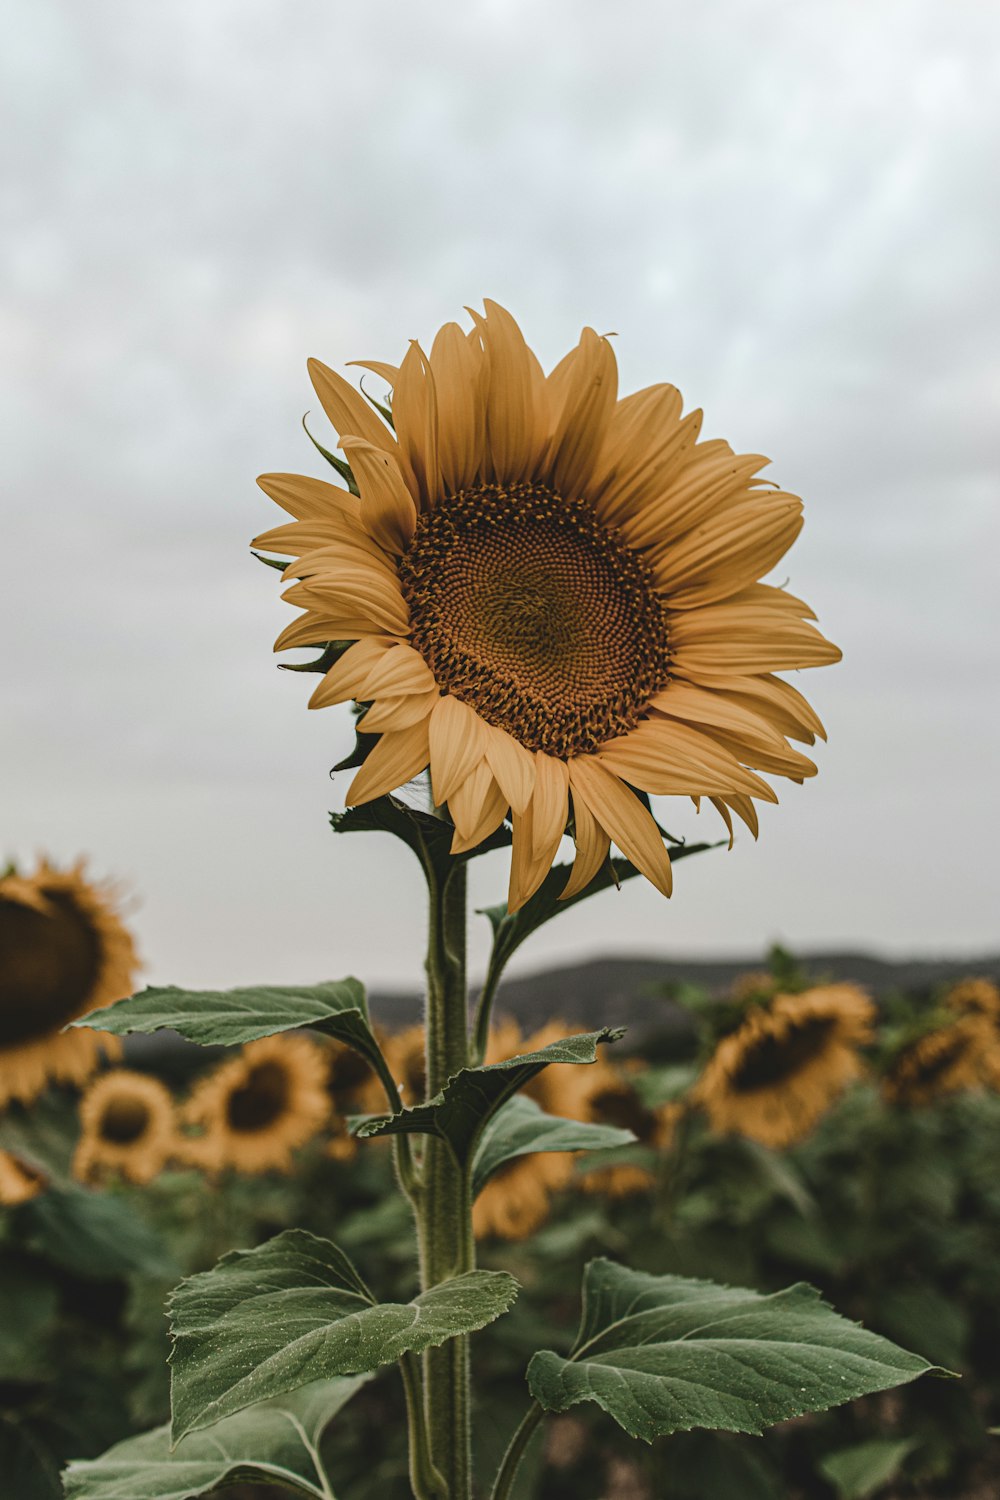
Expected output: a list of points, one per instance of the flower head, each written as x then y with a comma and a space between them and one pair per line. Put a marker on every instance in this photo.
258, 1107
614, 1101
64, 951
553, 599
961, 1054
354, 1089
127, 1125
975, 996
774, 1076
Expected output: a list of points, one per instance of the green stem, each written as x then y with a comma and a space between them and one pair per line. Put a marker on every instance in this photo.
425, 1481
515, 1452
444, 1206
484, 1011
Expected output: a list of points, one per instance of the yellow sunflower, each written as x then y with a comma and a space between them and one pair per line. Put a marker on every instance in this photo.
516, 1199
553, 597
64, 951
964, 1054
257, 1108
774, 1076
614, 1101
128, 1125
980, 996
405, 1054
19, 1181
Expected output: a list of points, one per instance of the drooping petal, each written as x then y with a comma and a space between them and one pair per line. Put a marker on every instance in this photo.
527, 871
458, 744
396, 759
620, 812
348, 411
513, 767
667, 758
550, 803
592, 848
387, 508
478, 807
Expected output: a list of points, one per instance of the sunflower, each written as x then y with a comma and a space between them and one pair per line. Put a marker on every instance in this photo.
64, 951
774, 1076
553, 598
515, 1200
979, 996
128, 1125
19, 1180
354, 1090
614, 1101
963, 1054
255, 1109
405, 1054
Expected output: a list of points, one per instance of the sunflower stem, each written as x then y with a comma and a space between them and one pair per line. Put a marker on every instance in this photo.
444, 1207
507, 1472
425, 1480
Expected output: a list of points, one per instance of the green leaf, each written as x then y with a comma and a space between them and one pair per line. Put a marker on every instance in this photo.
522, 1127
511, 929
426, 834
92, 1234
263, 1444
30, 1471
230, 1017
460, 1112
29, 1301
266, 1321
863, 1470
666, 1354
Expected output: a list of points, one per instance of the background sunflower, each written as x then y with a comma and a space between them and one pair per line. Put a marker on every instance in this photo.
128, 1126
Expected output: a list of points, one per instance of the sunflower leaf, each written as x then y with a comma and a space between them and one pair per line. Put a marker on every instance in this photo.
427, 835
522, 1127
263, 1444
666, 1354
269, 1320
462, 1110
511, 929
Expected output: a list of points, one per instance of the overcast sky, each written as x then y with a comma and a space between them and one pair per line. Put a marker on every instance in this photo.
789, 211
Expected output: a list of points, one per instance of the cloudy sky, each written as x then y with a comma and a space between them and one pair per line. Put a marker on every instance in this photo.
790, 212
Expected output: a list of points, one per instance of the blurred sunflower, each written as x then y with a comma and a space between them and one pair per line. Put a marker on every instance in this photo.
774, 1076
64, 951
19, 1181
614, 1101
128, 1125
962, 1054
354, 1089
257, 1108
553, 599
516, 1199
978, 996
405, 1054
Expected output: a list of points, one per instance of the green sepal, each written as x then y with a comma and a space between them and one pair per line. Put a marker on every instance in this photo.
460, 1113
522, 1127
270, 1320
261, 1445
341, 465
664, 1354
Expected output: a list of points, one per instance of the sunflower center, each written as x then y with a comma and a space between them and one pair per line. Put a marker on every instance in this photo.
256, 1104
124, 1121
622, 1107
770, 1059
49, 965
534, 614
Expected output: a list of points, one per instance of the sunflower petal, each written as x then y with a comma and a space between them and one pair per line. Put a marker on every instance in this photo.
478, 807
458, 743
460, 373
396, 759
309, 499
398, 712
592, 848
348, 411
587, 393
620, 812
346, 677
515, 396
414, 411
550, 803
513, 766
387, 508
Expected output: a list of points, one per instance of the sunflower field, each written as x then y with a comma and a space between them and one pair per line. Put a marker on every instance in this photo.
791, 1132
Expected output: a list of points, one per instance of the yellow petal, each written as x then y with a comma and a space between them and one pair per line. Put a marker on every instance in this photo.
401, 673
345, 678
337, 560
587, 394
458, 743
526, 870
667, 758
347, 409
398, 712
723, 555
387, 508
592, 848
698, 705
395, 760
550, 803
414, 411
364, 591
316, 628
460, 373
308, 499
723, 811
478, 807
295, 538
646, 446
621, 813
388, 373
712, 472
513, 767
516, 426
